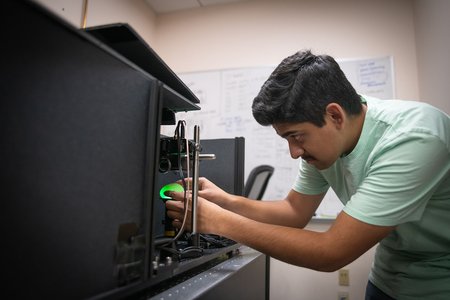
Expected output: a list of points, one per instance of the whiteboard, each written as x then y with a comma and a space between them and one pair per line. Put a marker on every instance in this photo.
226, 97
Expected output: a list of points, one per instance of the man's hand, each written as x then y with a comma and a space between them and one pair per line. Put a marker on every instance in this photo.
209, 191
206, 212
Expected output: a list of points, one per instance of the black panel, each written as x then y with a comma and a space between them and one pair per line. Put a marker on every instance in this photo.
79, 161
227, 170
123, 39
249, 282
74, 127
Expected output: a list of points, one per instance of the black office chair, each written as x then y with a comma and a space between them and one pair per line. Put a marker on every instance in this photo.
257, 182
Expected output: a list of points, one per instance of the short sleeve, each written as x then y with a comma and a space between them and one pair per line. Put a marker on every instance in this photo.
309, 181
400, 181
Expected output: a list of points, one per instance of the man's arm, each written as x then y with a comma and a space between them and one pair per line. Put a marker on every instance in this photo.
296, 210
346, 240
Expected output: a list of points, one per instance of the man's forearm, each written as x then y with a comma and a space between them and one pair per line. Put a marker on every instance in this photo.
292, 245
327, 251
278, 212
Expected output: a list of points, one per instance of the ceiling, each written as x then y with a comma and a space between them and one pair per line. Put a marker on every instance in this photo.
166, 6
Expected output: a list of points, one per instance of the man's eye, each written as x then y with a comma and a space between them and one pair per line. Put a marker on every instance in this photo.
297, 137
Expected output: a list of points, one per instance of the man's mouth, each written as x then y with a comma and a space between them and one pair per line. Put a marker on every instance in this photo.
308, 159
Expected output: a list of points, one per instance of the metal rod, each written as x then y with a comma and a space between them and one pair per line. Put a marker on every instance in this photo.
195, 176
206, 156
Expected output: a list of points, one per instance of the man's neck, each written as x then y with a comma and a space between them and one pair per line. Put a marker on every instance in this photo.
355, 127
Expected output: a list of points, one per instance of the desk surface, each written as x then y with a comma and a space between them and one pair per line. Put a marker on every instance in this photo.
197, 286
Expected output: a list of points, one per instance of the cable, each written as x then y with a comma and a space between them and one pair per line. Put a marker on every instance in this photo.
186, 200
182, 253
216, 242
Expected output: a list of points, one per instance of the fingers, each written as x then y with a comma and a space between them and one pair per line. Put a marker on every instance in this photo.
175, 209
188, 182
177, 223
174, 205
177, 196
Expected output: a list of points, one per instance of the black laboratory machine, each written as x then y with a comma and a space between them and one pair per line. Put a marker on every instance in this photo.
84, 166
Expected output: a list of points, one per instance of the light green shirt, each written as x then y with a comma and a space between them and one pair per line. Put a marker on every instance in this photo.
398, 174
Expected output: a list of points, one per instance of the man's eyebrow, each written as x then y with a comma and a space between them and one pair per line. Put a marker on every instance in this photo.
288, 133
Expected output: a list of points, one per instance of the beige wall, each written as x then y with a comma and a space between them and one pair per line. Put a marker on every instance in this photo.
99, 12
259, 32
432, 19
288, 282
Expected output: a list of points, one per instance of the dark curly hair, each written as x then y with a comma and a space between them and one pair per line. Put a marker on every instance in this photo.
301, 87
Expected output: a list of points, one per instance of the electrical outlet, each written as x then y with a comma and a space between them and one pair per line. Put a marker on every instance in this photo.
343, 296
344, 278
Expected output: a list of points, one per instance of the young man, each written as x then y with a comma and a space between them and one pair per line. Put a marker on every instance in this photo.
387, 160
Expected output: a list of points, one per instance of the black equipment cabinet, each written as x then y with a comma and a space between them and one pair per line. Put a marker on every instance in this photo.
80, 119
80, 126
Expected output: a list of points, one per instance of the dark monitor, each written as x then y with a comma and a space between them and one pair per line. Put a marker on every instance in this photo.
227, 170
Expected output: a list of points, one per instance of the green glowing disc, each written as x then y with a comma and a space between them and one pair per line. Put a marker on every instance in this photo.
172, 187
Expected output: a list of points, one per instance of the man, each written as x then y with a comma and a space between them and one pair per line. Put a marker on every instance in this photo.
387, 161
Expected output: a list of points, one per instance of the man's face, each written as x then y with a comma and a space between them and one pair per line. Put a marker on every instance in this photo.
318, 146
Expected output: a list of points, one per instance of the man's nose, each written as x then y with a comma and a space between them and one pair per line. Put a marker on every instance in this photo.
296, 151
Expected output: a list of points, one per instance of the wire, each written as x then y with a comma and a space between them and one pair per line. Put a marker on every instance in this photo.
220, 242
186, 188
183, 252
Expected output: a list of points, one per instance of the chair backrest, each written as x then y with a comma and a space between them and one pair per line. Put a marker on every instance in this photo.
257, 182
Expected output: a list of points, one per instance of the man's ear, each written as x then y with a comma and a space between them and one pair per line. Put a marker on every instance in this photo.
336, 114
